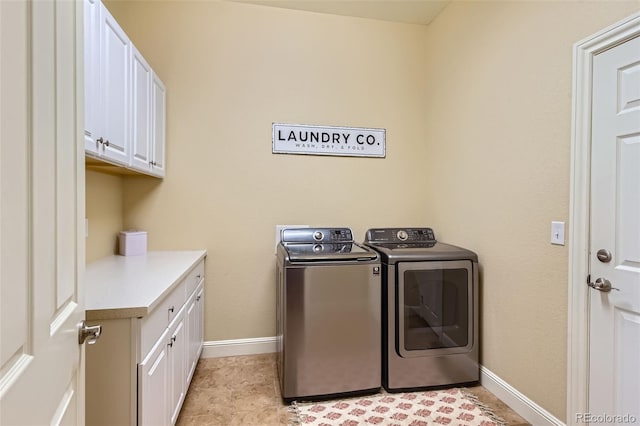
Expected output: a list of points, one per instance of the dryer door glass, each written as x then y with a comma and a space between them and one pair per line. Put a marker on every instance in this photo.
434, 308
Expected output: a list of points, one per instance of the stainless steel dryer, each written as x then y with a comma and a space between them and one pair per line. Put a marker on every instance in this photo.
430, 310
328, 314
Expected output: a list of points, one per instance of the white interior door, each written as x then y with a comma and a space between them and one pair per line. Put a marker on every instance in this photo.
614, 340
41, 212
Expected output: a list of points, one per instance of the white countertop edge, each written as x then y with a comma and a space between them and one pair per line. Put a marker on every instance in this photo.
132, 286
116, 313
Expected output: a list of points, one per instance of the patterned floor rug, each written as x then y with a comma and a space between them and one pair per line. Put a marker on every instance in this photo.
453, 407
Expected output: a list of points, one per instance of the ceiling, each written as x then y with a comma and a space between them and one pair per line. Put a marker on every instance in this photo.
420, 12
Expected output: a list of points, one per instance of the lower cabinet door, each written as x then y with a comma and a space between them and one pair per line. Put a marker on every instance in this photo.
192, 336
153, 384
199, 341
177, 365
195, 326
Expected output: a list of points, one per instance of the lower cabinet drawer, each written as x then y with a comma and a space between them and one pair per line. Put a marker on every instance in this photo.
195, 277
154, 324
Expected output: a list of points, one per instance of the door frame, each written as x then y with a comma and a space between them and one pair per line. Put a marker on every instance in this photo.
578, 313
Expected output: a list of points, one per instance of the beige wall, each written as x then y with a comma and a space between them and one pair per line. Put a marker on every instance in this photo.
230, 71
477, 109
499, 131
104, 209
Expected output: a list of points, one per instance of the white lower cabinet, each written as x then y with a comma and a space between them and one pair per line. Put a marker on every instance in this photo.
140, 374
177, 366
195, 329
153, 376
162, 377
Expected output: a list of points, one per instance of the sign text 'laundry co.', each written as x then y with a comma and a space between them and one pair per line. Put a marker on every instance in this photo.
323, 140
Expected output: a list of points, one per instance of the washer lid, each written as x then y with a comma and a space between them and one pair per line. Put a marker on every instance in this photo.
317, 252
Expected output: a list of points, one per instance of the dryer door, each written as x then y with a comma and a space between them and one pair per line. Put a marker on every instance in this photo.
434, 310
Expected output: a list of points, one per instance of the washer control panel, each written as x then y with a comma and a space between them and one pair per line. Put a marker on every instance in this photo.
400, 235
317, 235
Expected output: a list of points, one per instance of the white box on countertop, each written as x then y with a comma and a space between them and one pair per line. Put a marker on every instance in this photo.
133, 243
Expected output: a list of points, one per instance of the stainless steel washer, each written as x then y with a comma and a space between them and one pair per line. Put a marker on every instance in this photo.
328, 314
430, 310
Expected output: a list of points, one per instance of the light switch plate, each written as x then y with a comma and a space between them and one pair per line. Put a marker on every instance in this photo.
557, 233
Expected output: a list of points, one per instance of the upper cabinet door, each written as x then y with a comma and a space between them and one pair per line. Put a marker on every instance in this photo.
125, 102
141, 75
159, 126
114, 88
91, 76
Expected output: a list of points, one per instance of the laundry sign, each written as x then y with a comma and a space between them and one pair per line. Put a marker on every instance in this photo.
323, 140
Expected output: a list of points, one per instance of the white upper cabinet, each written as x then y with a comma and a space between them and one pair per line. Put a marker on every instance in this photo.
141, 77
148, 105
122, 124
91, 75
159, 126
115, 54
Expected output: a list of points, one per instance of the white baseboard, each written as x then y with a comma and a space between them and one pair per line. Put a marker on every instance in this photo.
220, 348
522, 405
518, 402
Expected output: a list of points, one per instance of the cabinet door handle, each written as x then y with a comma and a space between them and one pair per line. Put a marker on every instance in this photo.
198, 298
172, 339
171, 309
100, 140
106, 143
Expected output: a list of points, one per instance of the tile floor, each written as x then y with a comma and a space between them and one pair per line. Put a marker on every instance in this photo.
243, 390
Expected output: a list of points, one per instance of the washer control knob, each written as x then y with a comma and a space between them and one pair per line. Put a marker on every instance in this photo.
318, 236
402, 235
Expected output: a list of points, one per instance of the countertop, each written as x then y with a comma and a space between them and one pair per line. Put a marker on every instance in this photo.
131, 286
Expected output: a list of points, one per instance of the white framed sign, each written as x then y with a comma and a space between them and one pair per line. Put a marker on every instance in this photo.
328, 140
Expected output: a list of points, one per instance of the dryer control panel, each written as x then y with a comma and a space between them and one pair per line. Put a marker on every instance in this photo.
317, 235
400, 235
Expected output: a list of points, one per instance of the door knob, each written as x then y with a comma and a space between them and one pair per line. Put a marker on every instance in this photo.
603, 285
88, 334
